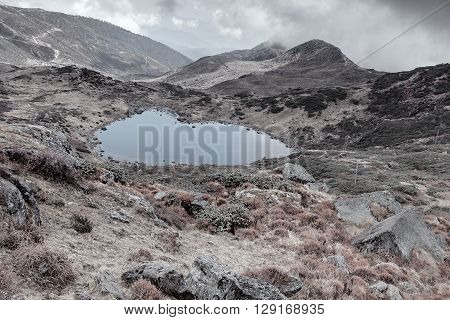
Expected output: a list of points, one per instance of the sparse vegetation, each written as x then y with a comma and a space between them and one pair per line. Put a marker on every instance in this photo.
81, 224
45, 268
145, 290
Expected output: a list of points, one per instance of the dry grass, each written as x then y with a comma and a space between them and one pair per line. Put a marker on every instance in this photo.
145, 290
272, 275
81, 224
47, 163
12, 236
46, 268
140, 256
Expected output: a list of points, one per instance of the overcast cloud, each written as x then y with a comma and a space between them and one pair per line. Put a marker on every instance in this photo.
356, 27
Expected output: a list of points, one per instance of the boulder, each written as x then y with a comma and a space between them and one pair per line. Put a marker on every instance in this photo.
400, 234
163, 276
211, 280
364, 209
120, 215
18, 198
297, 173
107, 285
12, 200
389, 291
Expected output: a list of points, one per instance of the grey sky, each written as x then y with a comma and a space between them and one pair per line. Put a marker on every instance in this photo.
357, 27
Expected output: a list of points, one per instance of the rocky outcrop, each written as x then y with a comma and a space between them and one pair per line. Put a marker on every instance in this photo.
163, 276
368, 208
387, 291
107, 285
297, 173
18, 199
211, 280
400, 234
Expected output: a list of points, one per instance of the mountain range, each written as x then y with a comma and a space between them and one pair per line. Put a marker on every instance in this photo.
39, 37
269, 69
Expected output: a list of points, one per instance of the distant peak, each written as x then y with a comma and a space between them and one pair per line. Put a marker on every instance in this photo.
315, 51
269, 45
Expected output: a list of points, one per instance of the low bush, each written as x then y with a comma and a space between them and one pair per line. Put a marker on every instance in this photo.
47, 163
81, 224
227, 218
46, 268
145, 290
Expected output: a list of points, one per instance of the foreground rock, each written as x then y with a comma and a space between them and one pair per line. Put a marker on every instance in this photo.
297, 173
163, 276
368, 208
211, 280
107, 285
400, 234
18, 198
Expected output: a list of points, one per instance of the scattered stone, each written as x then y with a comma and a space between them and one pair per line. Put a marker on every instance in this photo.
107, 285
400, 234
362, 209
297, 173
120, 215
163, 276
211, 280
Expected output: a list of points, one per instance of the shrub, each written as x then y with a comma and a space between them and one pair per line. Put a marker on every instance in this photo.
81, 224
48, 164
226, 218
141, 255
45, 268
12, 236
271, 275
145, 290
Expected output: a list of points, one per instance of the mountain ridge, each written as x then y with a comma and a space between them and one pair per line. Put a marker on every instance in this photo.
36, 36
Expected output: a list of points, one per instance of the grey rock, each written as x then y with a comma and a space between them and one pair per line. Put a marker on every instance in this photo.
338, 261
12, 200
318, 186
211, 280
163, 276
120, 215
82, 295
393, 293
379, 286
290, 287
400, 234
160, 195
297, 173
107, 285
358, 209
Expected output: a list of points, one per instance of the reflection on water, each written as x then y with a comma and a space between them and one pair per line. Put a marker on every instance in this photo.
158, 138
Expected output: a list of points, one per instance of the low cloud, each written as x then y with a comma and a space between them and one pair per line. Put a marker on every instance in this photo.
357, 27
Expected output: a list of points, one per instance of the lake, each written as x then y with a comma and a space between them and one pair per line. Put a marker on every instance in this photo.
157, 138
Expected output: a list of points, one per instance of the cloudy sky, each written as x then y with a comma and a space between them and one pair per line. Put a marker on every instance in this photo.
357, 27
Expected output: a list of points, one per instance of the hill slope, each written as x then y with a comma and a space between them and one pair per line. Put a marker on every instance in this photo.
34, 36
267, 70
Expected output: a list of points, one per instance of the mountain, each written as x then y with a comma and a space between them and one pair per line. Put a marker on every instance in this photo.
36, 37
187, 43
268, 70
209, 71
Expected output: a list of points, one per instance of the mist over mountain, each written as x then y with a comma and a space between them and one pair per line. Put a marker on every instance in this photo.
38, 37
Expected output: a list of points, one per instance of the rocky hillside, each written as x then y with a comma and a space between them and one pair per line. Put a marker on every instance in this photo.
368, 223
38, 37
268, 70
